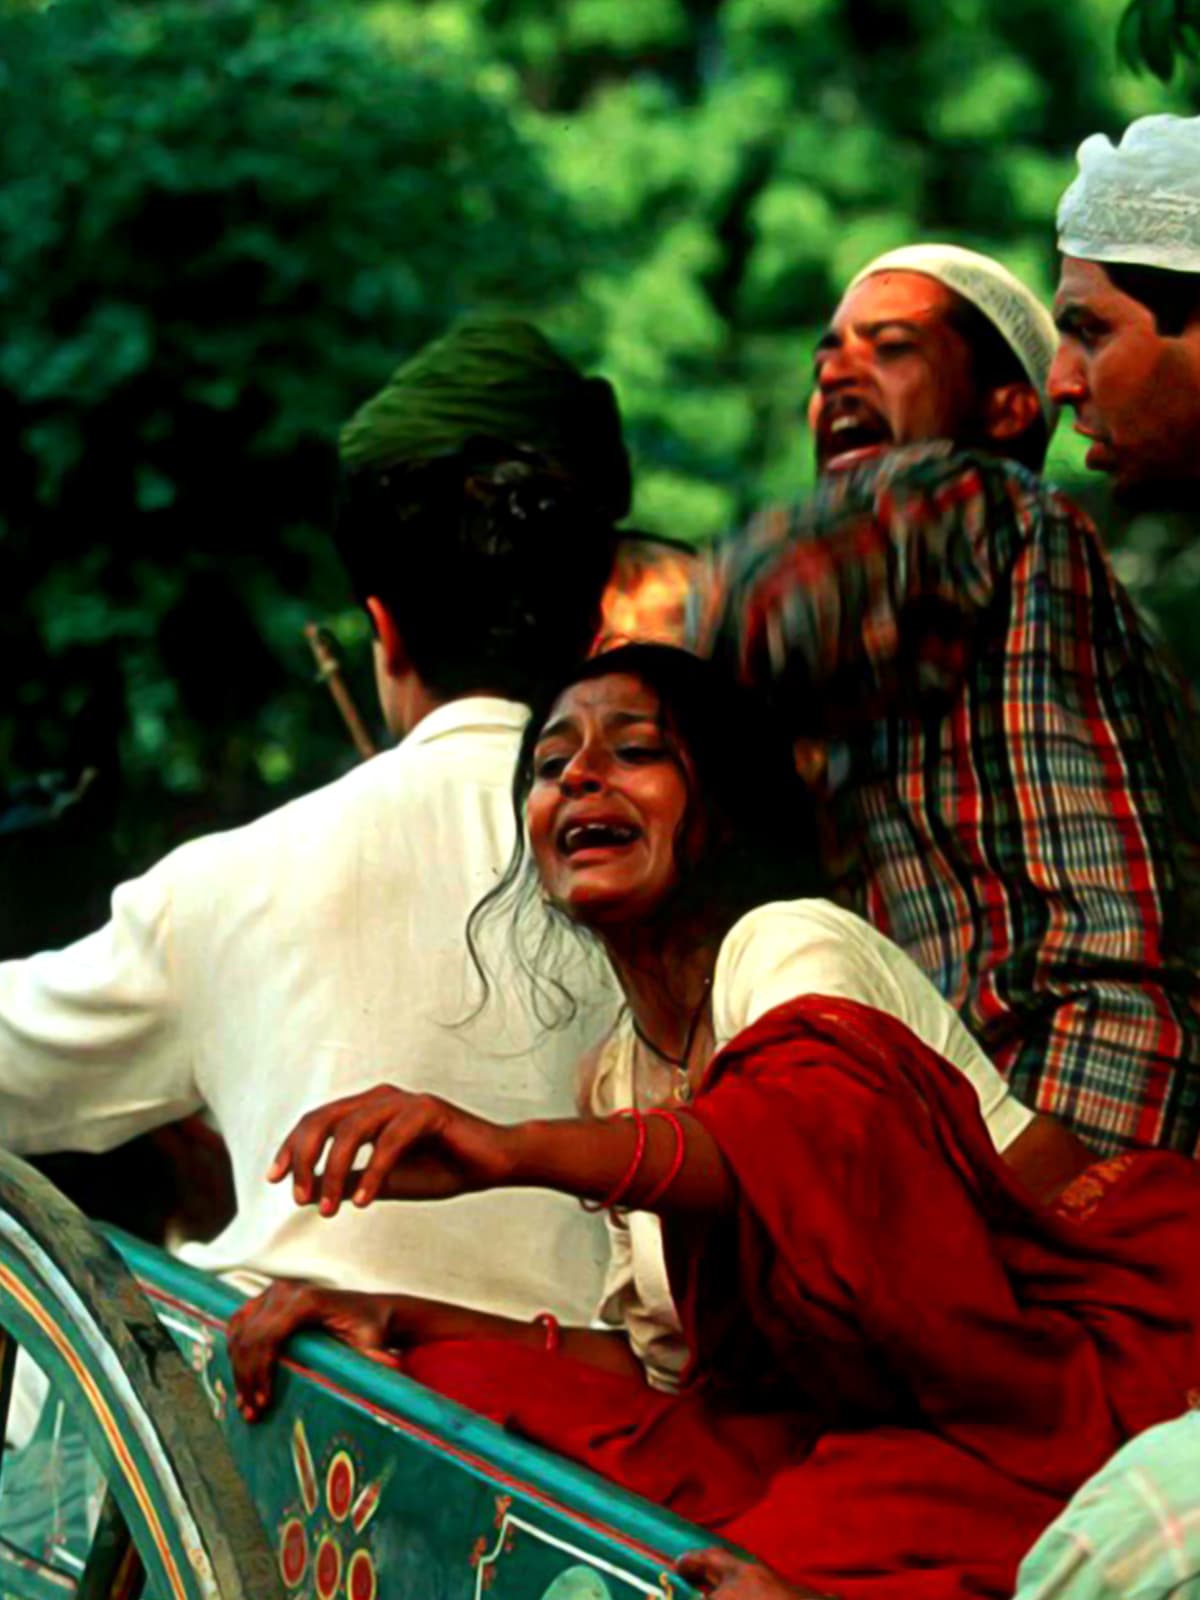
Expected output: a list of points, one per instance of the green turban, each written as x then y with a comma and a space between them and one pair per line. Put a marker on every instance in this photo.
497, 378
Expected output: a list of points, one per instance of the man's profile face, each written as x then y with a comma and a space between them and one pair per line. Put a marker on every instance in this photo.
1134, 391
890, 370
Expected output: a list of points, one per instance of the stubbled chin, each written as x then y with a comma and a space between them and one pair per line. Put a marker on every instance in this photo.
845, 459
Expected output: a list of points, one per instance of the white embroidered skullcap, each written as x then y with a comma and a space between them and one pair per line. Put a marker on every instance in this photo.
1137, 202
1015, 312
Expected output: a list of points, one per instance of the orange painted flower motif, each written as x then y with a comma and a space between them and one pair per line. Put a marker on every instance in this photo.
365, 1506
302, 1460
328, 1567
360, 1577
317, 1541
339, 1486
293, 1553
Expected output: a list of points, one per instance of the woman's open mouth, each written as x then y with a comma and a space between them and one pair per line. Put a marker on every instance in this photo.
578, 838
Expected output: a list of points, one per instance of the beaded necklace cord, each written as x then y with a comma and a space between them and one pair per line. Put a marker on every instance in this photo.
683, 1087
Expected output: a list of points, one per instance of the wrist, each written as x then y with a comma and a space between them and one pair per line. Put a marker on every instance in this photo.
404, 1319
522, 1155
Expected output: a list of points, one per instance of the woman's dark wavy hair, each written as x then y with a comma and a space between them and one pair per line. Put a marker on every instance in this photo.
762, 833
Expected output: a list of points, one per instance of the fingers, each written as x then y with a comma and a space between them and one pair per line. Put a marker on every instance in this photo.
418, 1119
281, 1163
391, 1359
392, 1129
392, 1121
708, 1569
256, 1333
728, 1577
346, 1139
301, 1150
300, 1153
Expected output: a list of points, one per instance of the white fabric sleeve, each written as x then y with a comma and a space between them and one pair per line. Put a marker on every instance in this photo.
91, 1041
783, 951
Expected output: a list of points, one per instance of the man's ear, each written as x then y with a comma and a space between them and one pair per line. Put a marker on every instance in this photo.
387, 634
1009, 409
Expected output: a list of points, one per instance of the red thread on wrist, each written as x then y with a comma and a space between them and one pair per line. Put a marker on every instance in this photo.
622, 1188
547, 1320
664, 1183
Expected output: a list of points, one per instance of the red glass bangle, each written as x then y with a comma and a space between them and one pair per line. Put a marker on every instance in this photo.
672, 1172
547, 1320
622, 1188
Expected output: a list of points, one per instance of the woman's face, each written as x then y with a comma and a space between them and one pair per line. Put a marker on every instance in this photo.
609, 802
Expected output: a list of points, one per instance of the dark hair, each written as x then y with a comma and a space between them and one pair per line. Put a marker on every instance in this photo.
490, 560
762, 837
994, 364
1172, 298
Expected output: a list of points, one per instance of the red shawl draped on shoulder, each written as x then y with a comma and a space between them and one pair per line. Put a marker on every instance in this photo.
902, 1364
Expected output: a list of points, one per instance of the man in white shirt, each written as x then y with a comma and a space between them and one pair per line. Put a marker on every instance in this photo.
322, 949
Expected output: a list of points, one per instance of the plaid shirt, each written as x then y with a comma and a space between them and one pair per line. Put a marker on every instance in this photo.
1011, 762
1132, 1530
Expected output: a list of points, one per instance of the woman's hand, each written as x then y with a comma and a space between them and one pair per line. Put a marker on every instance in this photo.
258, 1331
423, 1149
727, 1577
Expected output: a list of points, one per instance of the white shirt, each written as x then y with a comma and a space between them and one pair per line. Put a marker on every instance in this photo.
774, 954
315, 953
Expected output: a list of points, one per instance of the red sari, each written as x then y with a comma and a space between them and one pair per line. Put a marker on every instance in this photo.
902, 1365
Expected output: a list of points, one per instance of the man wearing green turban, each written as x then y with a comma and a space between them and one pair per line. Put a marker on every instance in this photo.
496, 378
499, 379
322, 949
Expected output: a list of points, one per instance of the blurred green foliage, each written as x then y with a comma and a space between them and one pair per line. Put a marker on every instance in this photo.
222, 223
1155, 35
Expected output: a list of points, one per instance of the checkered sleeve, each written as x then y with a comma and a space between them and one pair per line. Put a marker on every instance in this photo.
871, 593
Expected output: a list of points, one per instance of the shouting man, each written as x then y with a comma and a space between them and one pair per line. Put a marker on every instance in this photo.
1007, 766
1006, 754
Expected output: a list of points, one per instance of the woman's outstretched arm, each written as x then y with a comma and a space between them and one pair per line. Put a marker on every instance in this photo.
424, 1148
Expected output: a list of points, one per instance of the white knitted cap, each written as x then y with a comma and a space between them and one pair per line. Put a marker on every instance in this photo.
1013, 310
1137, 202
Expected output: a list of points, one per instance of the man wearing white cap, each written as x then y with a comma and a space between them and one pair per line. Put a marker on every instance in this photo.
1128, 308
982, 344
1007, 764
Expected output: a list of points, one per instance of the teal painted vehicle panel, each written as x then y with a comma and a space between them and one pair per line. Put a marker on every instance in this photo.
115, 1481
373, 1488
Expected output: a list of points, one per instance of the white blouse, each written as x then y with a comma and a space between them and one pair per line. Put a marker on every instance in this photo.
776, 953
